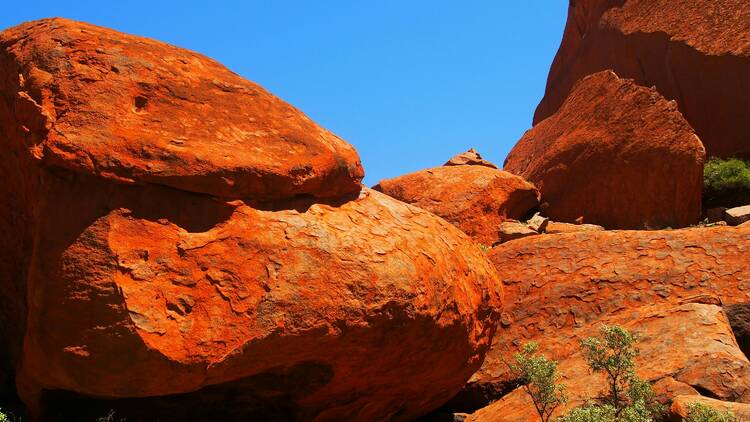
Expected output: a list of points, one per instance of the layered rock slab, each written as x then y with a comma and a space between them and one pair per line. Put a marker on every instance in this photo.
690, 345
135, 110
616, 155
694, 52
555, 283
476, 198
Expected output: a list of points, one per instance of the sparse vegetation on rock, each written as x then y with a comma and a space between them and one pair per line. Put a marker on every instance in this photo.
540, 379
699, 412
726, 182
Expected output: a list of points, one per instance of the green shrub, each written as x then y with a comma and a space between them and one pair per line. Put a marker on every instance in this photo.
699, 412
726, 182
539, 378
4, 417
628, 399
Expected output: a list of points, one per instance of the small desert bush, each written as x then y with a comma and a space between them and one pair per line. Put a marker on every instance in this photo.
699, 412
726, 182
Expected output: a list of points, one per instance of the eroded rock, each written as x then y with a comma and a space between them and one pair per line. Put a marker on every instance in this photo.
691, 345
696, 52
477, 199
615, 154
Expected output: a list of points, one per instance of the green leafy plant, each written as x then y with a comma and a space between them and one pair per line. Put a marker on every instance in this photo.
628, 398
4, 417
699, 412
726, 182
540, 380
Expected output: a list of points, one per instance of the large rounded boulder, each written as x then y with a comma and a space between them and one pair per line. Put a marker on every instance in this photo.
185, 246
616, 155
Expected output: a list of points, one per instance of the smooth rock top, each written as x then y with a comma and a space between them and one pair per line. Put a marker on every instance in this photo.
617, 155
136, 110
469, 158
476, 198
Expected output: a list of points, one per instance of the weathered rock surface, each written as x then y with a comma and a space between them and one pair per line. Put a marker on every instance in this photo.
470, 158
555, 283
555, 227
149, 288
512, 230
690, 345
696, 52
477, 199
135, 110
737, 216
616, 155
679, 409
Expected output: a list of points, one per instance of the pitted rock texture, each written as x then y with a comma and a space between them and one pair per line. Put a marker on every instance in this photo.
616, 155
689, 345
696, 52
555, 283
135, 110
477, 199
136, 303
246, 276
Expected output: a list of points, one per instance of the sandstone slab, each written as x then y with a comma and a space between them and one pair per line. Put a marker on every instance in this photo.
737, 216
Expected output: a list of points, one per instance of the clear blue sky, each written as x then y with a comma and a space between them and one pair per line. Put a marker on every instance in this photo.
408, 82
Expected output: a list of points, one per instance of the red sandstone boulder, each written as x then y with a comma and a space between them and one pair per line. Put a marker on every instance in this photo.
696, 52
477, 199
554, 284
616, 155
135, 110
148, 290
469, 158
690, 345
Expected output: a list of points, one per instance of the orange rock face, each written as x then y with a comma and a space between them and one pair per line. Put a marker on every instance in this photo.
696, 52
476, 198
470, 158
555, 283
136, 110
690, 345
136, 282
612, 155
679, 409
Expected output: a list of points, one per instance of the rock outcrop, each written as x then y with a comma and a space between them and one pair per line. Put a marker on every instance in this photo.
615, 154
681, 405
696, 52
187, 245
476, 198
690, 345
469, 158
555, 283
